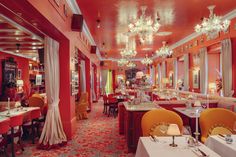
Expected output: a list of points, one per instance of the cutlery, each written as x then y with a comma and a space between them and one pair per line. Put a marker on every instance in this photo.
203, 153
222, 135
153, 138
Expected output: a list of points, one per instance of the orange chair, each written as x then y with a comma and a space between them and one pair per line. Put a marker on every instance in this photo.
4, 128
81, 109
37, 95
154, 119
36, 102
15, 124
216, 121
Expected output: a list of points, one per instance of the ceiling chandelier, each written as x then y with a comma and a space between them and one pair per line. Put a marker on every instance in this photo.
213, 25
145, 27
131, 65
147, 61
126, 53
122, 62
130, 49
164, 51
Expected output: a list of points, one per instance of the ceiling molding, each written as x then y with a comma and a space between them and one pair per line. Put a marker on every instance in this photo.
76, 10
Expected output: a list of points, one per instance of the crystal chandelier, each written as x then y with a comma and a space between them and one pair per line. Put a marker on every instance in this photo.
164, 51
126, 53
130, 49
146, 60
122, 62
131, 65
213, 25
145, 27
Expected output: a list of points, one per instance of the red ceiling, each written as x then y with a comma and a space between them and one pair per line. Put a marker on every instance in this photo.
185, 14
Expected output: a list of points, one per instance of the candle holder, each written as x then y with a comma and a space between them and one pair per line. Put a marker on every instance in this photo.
197, 134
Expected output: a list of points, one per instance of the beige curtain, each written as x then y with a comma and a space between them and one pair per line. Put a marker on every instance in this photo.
175, 77
159, 74
226, 50
186, 72
203, 70
53, 132
103, 80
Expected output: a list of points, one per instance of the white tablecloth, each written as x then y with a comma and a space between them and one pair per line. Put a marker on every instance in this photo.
148, 148
14, 112
218, 144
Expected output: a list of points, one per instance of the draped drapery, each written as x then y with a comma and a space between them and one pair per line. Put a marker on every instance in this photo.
103, 80
186, 72
226, 50
163, 73
203, 70
109, 88
152, 74
53, 132
92, 83
175, 65
159, 74
82, 76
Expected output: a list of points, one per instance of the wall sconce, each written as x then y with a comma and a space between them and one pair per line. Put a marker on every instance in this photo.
212, 87
19, 84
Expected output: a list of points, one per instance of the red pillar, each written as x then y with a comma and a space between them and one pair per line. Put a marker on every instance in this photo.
233, 40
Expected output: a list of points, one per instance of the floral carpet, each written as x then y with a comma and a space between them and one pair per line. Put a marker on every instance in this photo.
98, 136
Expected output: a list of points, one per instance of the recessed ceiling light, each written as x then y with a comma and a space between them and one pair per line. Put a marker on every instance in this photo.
17, 38
17, 51
34, 43
146, 49
163, 33
34, 48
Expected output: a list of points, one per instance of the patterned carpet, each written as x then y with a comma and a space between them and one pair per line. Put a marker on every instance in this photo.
96, 137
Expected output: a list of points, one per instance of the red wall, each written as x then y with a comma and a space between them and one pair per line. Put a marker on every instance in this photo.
22, 63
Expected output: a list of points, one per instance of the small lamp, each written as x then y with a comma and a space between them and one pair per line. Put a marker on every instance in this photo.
197, 103
173, 130
212, 87
20, 84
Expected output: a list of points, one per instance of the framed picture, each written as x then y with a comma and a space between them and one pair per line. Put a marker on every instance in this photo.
38, 80
19, 73
196, 79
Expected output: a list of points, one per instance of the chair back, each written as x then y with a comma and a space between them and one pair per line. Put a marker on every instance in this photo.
154, 118
16, 120
4, 126
34, 114
83, 98
36, 102
37, 95
219, 118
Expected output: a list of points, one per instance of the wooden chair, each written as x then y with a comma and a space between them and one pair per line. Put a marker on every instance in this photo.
216, 121
113, 105
81, 109
152, 121
33, 124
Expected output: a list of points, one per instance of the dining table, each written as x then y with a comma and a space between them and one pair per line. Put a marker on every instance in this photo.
147, 147
218, 144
